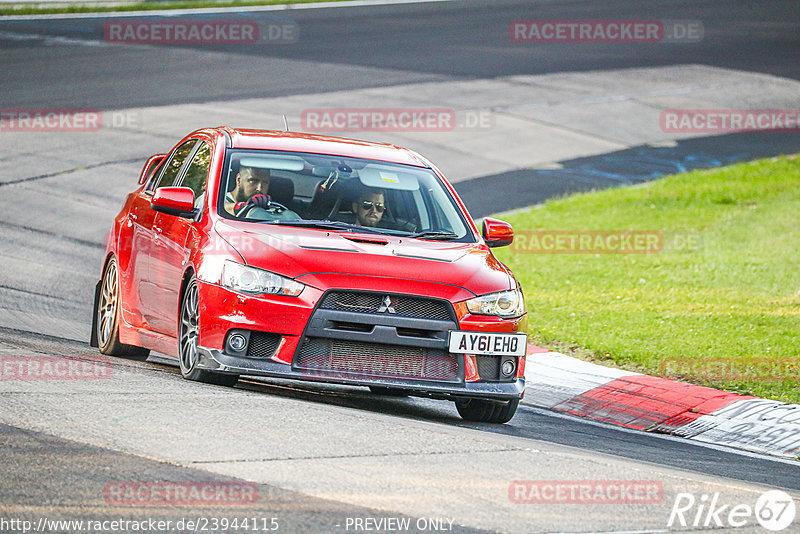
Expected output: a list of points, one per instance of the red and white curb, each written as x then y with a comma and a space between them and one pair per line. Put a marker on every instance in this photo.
653, 404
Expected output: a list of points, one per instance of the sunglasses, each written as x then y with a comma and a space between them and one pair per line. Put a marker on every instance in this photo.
367, 205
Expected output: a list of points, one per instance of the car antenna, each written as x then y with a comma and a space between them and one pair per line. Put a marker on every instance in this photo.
285, 122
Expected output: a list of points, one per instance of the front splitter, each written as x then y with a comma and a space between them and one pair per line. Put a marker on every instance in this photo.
217, 361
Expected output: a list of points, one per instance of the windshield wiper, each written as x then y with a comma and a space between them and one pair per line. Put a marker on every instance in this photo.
435, 234
326, 225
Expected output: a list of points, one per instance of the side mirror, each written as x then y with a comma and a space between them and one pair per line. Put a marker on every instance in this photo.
178, 201
150, 166
497, 233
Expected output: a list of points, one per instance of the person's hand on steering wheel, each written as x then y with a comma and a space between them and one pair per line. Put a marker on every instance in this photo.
256, 201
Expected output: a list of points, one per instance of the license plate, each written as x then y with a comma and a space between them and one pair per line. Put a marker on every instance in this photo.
488, 343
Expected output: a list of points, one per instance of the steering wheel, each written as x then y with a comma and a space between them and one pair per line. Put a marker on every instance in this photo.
274, 207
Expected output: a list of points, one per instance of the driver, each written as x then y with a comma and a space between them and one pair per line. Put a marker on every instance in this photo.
252, 185
369, 207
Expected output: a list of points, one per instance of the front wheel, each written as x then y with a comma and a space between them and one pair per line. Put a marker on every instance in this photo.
107, 317
487, 411
188, 332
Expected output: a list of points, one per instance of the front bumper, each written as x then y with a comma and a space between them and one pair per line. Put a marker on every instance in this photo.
216, 360
339, 336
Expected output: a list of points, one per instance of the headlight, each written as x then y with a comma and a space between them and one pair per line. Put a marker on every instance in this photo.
254, 281
505, 304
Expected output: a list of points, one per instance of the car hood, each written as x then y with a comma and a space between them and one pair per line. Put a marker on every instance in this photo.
319, 257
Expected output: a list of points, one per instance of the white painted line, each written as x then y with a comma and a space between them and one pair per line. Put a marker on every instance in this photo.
550, 166
663, 144
209, 10
50, 39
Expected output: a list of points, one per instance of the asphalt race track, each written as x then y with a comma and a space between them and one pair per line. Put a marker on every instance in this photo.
379, 46
335, 458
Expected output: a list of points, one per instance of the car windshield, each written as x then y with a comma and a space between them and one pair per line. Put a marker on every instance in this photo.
339, 193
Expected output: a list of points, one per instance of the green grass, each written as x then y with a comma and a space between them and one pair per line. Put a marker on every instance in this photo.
722, 312
148, 6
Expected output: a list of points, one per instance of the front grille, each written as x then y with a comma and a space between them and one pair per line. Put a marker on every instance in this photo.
403, 305
489, 367
356, 359
263, 344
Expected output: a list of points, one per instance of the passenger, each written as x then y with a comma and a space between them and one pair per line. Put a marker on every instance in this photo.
369, 207
252, 185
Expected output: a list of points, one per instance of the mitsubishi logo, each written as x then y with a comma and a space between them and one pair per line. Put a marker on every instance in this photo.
388, 304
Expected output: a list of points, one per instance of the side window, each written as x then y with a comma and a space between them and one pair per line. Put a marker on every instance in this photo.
170, 174
197, 173
154, 172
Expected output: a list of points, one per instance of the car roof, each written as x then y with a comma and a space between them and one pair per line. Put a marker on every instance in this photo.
320, 144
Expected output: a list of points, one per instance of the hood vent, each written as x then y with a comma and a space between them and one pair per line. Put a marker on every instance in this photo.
366, 241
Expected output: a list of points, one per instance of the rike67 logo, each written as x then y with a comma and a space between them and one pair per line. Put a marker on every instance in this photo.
774, 510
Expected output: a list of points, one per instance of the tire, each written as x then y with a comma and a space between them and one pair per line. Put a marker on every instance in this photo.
388, 392
107, 317
487, 411
188, 331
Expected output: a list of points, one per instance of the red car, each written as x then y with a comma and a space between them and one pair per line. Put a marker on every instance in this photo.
275, 254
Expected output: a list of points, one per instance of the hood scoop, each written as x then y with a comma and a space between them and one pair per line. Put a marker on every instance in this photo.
367, 241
